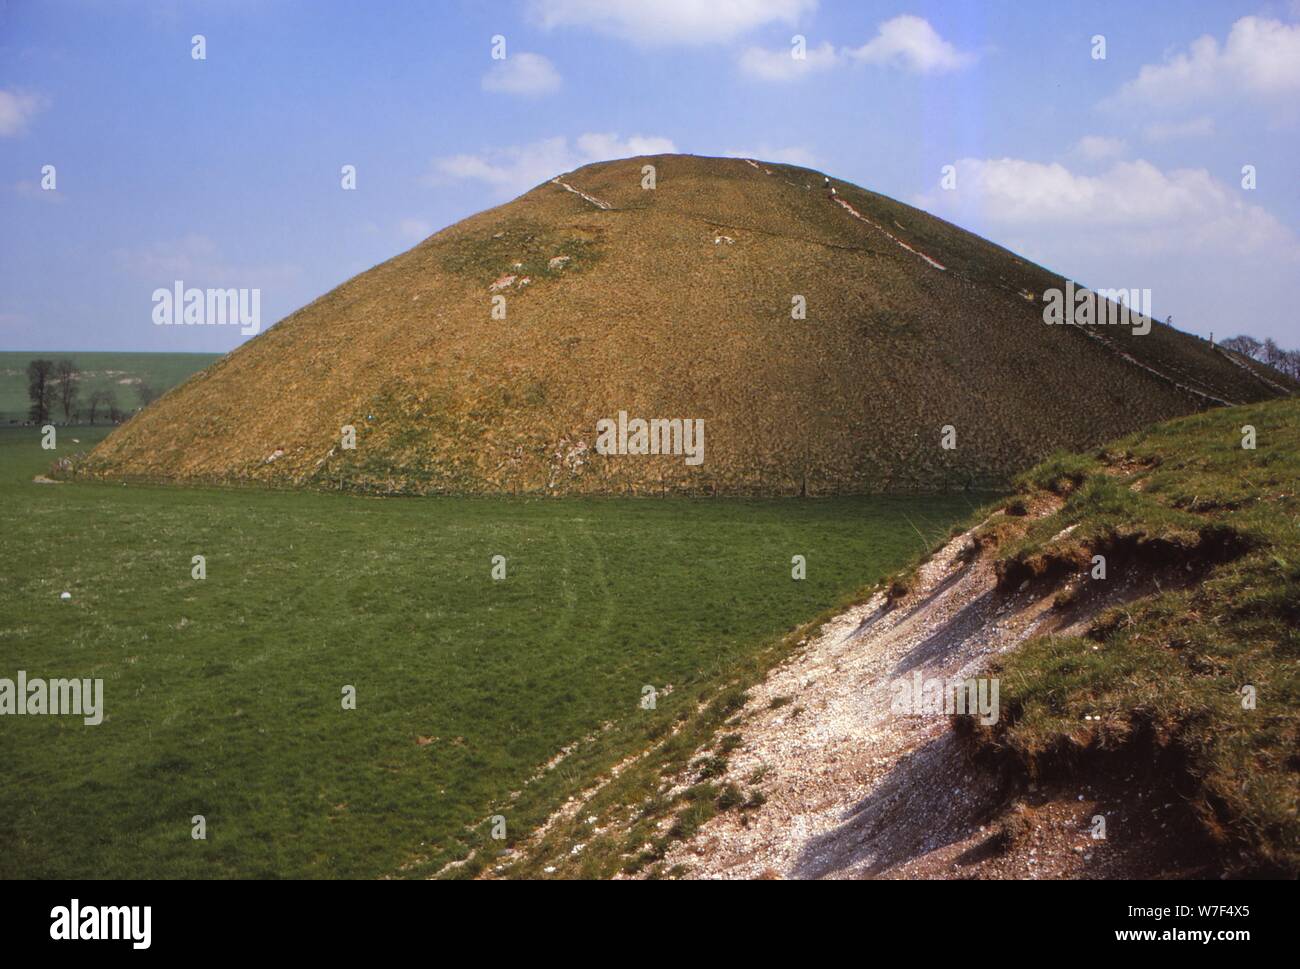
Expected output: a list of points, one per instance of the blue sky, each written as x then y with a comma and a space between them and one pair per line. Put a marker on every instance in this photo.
225, 172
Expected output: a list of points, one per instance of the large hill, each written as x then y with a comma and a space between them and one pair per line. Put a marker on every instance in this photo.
675, 302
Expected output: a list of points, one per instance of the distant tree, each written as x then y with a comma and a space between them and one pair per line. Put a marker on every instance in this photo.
1267, 353
99, 399
68, 378
115, 413
1246, 345
40, 390
146, 392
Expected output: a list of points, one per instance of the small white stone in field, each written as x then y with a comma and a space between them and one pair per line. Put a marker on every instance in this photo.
66, 595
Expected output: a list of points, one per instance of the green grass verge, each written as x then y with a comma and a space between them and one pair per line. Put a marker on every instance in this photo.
1210, 532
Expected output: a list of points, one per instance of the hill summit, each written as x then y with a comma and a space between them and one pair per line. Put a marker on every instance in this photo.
740, 327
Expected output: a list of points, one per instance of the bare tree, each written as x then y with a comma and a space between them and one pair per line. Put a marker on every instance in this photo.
40, 390
98, 399
1267, 353
1246, 345
68, 380
146, 392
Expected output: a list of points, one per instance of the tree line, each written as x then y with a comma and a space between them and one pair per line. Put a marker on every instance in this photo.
54, 388
1268, 353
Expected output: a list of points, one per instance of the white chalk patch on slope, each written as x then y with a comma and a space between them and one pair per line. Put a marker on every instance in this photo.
1253, 372
916, 252
594, 201
1151, 370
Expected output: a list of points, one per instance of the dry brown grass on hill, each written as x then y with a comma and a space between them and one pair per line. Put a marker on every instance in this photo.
654, 313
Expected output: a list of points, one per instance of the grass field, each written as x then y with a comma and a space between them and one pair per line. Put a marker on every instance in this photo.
223, 696
119, 372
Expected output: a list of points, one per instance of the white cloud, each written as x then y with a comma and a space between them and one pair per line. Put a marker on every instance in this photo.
909, 41
1132, 194
1099, 147
1211, 258
602, 147
791, 155
17, 108
197, 260
193, 254
670, 21
781, 65
906, 42
1201, 127
516, 168
414, 229
28, 188
1260, 58
530, 75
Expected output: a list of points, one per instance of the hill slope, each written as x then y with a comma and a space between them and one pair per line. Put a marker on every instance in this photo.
676, 303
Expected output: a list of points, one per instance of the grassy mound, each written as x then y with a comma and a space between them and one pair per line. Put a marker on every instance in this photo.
675, 303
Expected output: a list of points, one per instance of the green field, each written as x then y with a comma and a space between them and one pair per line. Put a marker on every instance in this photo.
222, 696
120, 373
